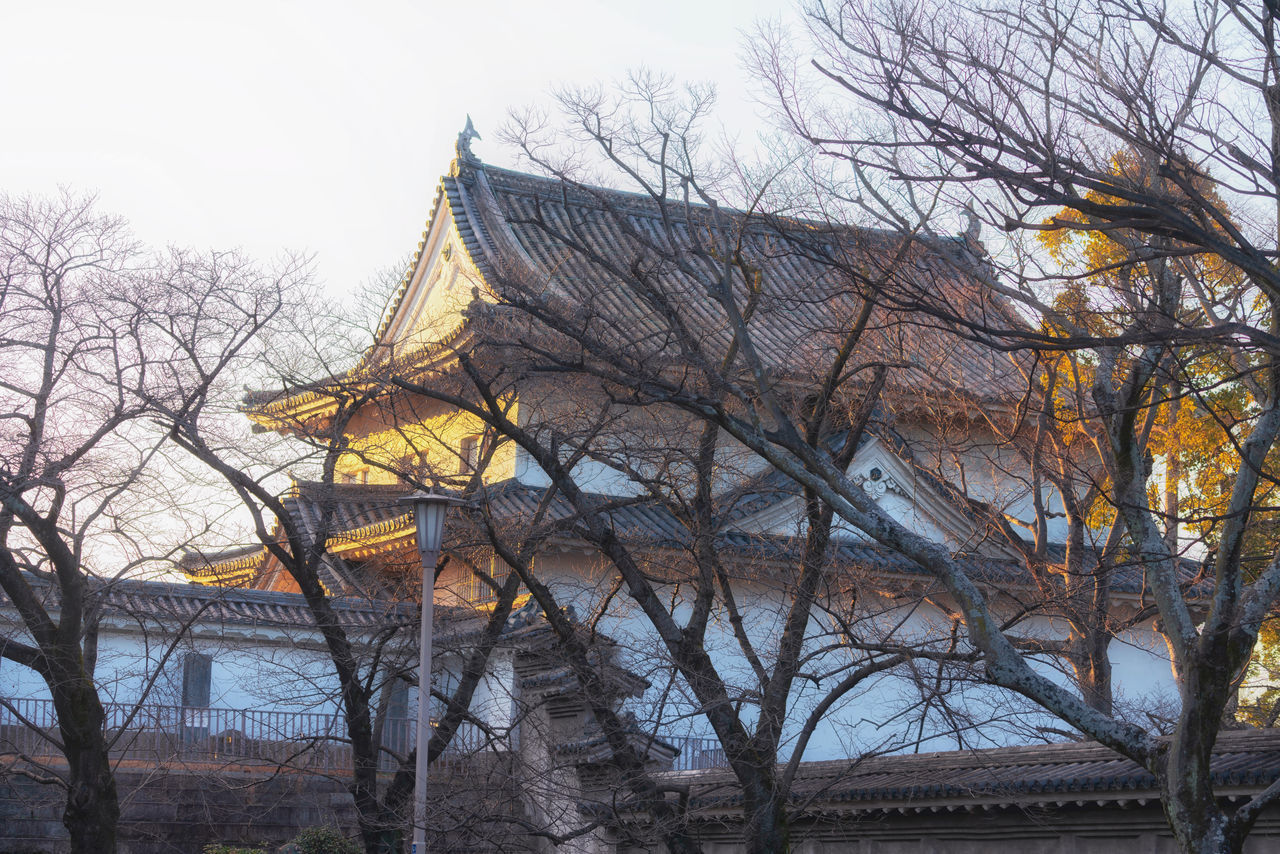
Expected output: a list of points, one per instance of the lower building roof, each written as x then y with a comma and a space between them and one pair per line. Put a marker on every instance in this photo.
357, 513
1244, 762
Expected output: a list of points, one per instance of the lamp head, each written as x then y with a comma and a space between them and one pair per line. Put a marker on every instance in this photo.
429, 509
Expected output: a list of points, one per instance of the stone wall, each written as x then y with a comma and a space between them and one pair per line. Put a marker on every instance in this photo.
976, 829
179, 812
478, 808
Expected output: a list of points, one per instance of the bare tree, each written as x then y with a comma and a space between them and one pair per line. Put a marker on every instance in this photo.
764, 690
632, 350
97, 340
684, 305
1155, 127
297, 529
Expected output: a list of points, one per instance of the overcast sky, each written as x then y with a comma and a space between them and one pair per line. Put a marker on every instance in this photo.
314, 126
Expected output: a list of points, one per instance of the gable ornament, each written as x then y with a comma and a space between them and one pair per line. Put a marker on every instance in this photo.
464, 142
877, 484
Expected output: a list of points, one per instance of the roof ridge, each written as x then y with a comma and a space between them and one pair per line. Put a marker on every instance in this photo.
1075, 769
233, 604
544, 186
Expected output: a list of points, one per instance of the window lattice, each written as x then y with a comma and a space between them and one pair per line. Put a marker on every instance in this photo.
476, 591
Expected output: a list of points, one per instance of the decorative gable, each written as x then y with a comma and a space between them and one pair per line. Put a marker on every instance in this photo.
440, 285
444, 278
896, 486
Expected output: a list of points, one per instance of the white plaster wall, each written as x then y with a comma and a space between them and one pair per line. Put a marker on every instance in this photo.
989, 471
1142, 671
591, 475
246, 673
874, 716
870, 717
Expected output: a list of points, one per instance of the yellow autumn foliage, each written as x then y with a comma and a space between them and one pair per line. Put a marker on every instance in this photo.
1203, 406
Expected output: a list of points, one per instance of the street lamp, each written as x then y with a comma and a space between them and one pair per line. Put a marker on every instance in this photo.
429, 510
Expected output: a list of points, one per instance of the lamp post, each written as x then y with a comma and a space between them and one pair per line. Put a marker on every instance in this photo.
429, 510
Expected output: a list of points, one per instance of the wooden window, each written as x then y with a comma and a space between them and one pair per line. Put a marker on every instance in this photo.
197, 680
477, 592
398, 700
469, 454
398, 728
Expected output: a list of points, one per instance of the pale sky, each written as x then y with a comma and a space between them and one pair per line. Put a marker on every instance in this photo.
315, 126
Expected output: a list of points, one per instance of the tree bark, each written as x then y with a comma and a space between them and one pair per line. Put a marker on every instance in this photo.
378, 830
1088, 654
92, 813
765, 830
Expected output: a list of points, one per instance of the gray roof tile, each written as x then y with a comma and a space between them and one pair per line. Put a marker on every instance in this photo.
805, 306
367, 507
221, 605
1246, 759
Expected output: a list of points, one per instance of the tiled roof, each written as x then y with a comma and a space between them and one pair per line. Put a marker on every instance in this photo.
222, 605
351, 506
232, 567
593, 746
1048, 774
345, 511
196, 560
651, 522
630, 517
372, 511
514, 225
510, 222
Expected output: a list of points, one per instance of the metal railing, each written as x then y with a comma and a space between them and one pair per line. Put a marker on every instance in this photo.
311, 741
697, 754
159, 734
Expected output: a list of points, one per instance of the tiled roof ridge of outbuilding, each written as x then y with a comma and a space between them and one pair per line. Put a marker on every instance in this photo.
238, 605
1077, 772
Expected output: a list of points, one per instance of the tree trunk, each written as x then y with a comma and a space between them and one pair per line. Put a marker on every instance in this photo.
1199, 826
765, 828
375, 834
92, 814
379, 826
1088, 654
1200, 835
